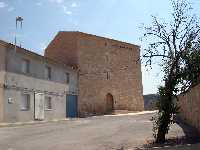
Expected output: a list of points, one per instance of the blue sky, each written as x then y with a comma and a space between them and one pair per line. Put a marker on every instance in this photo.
118, 19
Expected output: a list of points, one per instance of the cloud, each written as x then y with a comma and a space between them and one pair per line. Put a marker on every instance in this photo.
11, 9
39, 3
57, 1
3, 4
74, 4
66, 11
61, 4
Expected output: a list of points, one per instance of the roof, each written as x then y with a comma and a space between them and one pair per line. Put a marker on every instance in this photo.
92, 35
33, 54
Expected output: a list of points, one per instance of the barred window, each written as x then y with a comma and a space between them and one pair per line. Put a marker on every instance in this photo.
25, 102
48, 103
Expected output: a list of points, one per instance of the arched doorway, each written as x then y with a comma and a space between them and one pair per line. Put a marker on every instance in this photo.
109, 103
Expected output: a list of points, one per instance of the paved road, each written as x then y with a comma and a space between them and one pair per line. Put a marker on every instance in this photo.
95, 133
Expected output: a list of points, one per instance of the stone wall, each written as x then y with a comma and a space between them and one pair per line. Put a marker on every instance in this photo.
108, 66
190, 107
64, 48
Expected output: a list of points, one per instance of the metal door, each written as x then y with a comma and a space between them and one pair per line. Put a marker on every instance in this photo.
71, 106
39, 106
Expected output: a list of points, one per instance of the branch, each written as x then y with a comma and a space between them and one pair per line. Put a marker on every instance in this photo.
155, 55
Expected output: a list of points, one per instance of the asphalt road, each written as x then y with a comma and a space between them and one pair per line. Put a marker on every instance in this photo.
95, 133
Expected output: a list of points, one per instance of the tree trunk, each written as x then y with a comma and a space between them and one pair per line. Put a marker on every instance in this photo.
166, 114
163, 128
160, 136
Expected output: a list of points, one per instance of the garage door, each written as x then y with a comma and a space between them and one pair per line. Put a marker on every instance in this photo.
71, 106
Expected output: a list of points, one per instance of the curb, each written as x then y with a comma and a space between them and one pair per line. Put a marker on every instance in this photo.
16, 124
134, 113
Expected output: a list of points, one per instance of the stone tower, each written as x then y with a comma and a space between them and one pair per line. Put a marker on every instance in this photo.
109, 71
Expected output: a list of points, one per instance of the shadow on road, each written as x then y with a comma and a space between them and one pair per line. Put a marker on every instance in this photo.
191, 133
191, 140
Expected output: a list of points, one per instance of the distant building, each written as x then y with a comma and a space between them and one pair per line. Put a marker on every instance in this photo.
33, 87
109, 71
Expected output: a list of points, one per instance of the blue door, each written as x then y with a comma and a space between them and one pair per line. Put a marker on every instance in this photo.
71, 106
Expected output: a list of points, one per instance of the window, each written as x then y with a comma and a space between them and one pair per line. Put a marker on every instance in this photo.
25, 66
67, 78
48, 103
47, 72
25, 102
108, 75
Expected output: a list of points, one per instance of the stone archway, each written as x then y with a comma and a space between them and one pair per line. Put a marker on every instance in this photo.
109, 103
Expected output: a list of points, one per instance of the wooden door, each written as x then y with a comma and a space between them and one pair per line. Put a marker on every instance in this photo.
39, 106
109, 103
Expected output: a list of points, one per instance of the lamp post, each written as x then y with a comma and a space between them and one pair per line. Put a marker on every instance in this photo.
20, 21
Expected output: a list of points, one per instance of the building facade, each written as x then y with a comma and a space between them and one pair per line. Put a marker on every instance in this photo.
33, 87
109, 71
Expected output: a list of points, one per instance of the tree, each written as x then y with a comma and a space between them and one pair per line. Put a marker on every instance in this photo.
177, 45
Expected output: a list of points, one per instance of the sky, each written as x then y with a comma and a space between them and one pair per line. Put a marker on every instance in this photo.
117, 19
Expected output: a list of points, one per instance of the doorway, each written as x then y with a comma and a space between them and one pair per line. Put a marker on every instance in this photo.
71, 106
39, 106
109, 103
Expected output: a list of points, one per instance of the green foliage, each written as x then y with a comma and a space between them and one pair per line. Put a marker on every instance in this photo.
161, 119
177, 43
